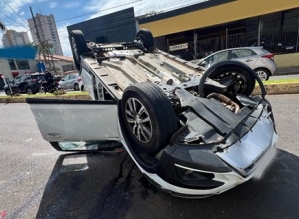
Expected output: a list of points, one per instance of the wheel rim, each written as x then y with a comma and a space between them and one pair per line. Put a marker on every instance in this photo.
138, 120
141, 40
75, 49
7, 92
240, 81
29, 91
262, 74
76, 87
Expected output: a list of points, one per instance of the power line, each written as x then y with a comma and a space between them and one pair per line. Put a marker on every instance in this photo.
98, 11
14, 20
14, 11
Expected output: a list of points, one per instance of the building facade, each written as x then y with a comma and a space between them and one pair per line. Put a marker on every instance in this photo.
219, 24
47, 29
13, 38
10, 68
115, 27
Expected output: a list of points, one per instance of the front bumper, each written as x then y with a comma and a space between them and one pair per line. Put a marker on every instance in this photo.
197, 171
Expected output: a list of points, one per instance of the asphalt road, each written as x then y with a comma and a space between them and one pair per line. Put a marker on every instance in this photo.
38, 182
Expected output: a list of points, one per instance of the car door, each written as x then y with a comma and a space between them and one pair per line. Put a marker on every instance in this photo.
72, 124
19, 82
24, 82
63, 82
247, 56
71, 81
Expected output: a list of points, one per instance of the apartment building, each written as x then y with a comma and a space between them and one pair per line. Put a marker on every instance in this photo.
47, 30
14, 38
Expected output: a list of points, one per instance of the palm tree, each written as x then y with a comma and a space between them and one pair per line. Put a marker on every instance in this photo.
2, 26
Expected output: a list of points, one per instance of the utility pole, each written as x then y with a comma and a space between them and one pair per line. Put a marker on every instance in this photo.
38, 37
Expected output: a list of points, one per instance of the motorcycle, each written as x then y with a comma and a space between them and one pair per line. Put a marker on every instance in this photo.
50, 88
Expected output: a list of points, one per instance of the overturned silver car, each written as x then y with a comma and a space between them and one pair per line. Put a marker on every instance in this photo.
192, 133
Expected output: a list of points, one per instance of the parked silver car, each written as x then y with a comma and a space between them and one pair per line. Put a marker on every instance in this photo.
257, 58
71, 81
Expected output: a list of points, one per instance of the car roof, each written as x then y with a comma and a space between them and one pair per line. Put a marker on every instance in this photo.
255, 48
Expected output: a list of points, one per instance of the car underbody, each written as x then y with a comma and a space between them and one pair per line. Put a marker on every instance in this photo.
192, 133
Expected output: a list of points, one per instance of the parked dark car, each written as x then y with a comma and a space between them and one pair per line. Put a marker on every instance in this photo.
27, 83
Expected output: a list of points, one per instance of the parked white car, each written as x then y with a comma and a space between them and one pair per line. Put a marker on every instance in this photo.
71, 81
257, 58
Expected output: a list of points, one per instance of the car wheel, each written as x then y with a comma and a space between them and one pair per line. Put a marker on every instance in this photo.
263, 73
146, 38
78, 46
29, 90
41, 90
236, 77
7, 92
82, 88
149, 117
76, 87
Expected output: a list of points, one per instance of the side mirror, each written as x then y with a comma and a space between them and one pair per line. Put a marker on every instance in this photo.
62, 79
203, 63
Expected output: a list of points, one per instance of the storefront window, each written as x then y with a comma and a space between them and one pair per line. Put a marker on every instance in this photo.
12, 64
23, 64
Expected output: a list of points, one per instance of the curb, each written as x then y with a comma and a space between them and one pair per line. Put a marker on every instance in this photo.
23, 100
272, 89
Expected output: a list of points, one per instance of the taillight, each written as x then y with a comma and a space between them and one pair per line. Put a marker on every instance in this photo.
269, 56
34, 80
79, 79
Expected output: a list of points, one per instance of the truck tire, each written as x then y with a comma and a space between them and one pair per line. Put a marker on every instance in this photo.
148, 116
78, 46
146, 38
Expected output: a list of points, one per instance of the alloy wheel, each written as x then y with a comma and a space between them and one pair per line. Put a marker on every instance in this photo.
262, 74
29, 90
139, 120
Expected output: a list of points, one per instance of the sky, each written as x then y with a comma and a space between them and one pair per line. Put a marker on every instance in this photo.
65, 10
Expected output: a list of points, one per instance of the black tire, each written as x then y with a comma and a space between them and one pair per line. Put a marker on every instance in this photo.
82, 88
76, 87
245, 81
146, 38
78, 46
157, 107
7, 92
263, 73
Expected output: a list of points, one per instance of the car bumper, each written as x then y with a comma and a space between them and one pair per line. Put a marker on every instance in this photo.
209, 173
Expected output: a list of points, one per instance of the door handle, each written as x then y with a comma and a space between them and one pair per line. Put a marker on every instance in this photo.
248, 60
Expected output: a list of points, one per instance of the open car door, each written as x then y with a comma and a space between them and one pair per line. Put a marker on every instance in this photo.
72, 125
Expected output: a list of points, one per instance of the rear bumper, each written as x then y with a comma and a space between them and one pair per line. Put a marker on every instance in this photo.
195, 171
